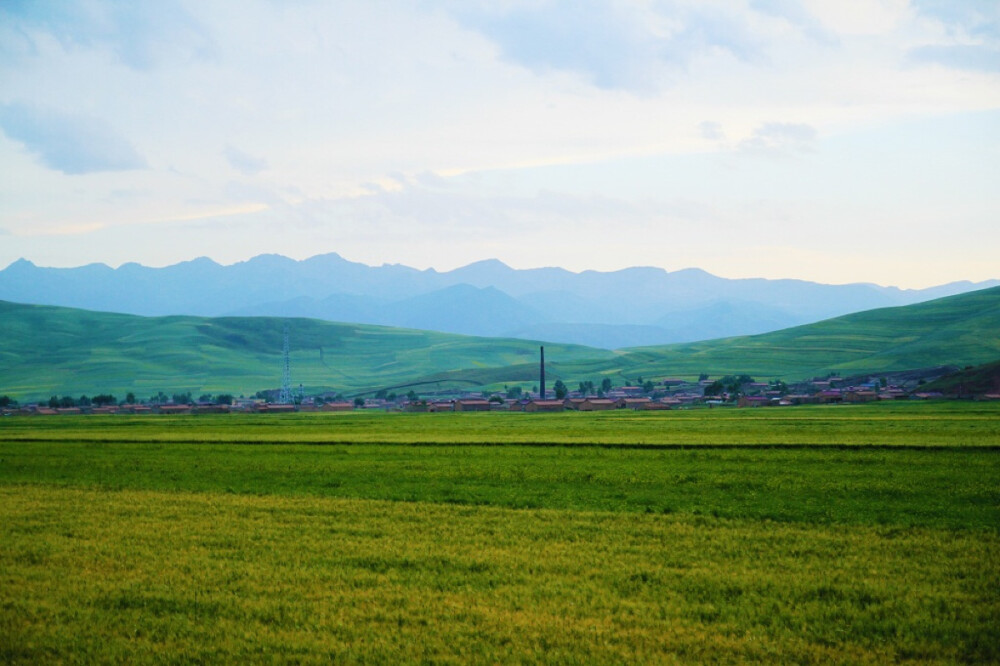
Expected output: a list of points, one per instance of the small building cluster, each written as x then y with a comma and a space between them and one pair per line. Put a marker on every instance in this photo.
730, 391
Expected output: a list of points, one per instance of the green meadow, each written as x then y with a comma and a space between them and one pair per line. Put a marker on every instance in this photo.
48, 350
865, 534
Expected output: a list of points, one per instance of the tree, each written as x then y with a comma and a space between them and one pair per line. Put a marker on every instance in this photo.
130, 398
7, 401
586, 388
560, 389
182, 398
67, 401
224, 399
648, 386
729, 384
103, 399
497, 399
514, 393
54, 401
606, 384
205, 397
412, 396
703, 376
84, 401
715, 388
359, 402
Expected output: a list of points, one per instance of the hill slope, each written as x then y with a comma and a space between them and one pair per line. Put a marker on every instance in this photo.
956, 330
46, 350
978, 380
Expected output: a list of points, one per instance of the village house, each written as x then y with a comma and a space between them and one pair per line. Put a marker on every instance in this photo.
472, 405
545, 406
860, 396
336, 407
654, 405
174, 409
208, 408
276, 408
597, 405
632, 403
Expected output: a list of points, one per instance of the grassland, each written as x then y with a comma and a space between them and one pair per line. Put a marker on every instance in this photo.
504, 538
46, 350
963, 424
959, 330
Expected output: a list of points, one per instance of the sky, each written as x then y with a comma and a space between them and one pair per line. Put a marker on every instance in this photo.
829, 140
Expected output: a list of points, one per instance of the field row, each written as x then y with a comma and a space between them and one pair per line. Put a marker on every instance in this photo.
176, 577
943, 424
954, 488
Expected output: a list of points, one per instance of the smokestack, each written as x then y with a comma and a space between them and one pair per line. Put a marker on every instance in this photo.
541, 383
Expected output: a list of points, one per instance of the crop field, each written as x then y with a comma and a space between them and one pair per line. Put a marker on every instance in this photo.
865, 534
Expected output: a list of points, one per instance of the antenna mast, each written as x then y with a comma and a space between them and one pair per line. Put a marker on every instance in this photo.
285, 397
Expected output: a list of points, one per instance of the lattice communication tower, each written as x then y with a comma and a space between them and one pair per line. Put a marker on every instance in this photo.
285, 397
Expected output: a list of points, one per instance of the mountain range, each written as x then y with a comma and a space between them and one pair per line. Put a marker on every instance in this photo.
610, 310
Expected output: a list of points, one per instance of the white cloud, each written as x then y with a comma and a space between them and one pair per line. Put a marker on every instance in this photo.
711, 130
245, 164
628, 46
72, 144
777, 139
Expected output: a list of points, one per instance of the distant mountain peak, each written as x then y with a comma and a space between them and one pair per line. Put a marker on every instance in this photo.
488, 263
200, 261
20, 264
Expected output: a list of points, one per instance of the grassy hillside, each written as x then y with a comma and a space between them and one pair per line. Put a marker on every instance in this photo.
970, 381
958, 330
46, 350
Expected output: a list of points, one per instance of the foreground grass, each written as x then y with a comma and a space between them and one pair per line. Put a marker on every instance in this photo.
709, 536
952, 488
948, 424
142, 576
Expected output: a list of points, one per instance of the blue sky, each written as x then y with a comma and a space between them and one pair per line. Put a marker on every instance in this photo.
837, 141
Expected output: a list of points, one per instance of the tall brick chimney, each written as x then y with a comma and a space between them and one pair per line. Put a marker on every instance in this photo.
541, 382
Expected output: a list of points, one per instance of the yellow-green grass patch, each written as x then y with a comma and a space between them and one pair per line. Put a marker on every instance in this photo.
142, 576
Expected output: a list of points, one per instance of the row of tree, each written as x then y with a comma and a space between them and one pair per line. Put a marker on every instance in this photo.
160, 398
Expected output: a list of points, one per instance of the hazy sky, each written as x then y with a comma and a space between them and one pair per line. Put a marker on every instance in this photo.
830, 140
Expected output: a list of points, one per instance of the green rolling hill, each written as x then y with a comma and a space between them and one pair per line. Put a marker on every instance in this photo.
50, 350
47, 350
957, 330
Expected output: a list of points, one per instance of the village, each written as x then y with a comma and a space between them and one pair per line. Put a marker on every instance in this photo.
663, 394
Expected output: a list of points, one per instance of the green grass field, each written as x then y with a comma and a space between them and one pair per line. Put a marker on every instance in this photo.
48, 350
866, 534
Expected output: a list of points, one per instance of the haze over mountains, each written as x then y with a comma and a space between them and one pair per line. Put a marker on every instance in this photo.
630, 307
